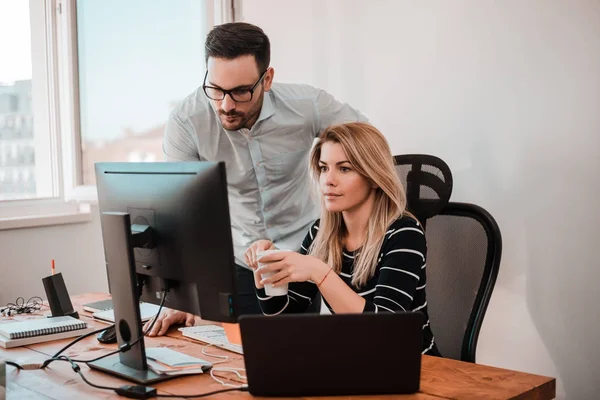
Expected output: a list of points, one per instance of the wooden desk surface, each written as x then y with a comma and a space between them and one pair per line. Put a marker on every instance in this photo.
440, 378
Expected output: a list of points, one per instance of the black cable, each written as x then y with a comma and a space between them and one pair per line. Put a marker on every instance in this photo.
58, 353
102, 356
14, 364
54, 358
127, 346
123, 348
77, 369
140, 286
193, 396
125, 390
93, 384
102, 330
20, 307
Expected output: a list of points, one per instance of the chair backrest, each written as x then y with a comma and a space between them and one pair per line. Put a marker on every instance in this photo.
464, 247
428, 183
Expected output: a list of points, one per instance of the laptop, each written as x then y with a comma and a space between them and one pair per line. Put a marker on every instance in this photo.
328, 355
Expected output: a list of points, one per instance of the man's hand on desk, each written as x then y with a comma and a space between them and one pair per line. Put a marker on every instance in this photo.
168, 318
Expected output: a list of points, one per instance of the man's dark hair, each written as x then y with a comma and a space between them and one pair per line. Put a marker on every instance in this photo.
237, 39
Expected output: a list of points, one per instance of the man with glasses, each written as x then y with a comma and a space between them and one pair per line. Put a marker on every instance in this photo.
264, 132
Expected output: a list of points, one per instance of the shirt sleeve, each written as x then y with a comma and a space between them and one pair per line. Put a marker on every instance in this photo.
400, 267
178, 142
300, 294
331, 112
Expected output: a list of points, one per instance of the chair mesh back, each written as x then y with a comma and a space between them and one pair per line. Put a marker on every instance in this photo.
457, 247
462, 261
427, 181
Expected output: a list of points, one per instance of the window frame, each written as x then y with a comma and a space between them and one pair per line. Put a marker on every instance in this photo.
55, 50
217, 12
50, 209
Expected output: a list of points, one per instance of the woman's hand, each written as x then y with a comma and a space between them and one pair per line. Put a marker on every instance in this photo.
290, 266
251, 255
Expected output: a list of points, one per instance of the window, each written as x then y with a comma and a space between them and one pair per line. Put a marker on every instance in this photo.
87, 81
28, 168
136, 60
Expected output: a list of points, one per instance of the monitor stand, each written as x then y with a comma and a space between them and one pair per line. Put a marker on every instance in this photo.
118, 244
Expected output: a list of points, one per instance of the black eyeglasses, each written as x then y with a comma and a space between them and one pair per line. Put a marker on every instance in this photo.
243, 95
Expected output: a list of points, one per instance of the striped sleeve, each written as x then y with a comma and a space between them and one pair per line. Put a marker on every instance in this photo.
300, 294
400, 269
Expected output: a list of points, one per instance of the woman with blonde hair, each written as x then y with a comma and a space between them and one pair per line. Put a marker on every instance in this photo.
366, 253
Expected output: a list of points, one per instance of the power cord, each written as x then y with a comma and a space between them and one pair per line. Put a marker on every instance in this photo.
233, 370
223, 358
80, 338
20, 307
216, 377
193, 396
129, 391
125, 347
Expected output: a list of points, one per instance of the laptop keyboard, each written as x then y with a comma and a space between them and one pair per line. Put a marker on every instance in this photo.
211, 334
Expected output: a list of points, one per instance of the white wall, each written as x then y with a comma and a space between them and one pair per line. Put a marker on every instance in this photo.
25, 256
508, 93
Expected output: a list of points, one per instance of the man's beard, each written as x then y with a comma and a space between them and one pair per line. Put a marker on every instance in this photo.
244, 117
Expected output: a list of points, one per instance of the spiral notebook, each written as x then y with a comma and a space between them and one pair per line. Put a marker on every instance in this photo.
39, 330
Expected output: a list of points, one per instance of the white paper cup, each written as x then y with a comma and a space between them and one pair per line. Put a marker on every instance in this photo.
281, 290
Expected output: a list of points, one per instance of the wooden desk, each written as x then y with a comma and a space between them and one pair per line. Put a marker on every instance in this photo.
440, 378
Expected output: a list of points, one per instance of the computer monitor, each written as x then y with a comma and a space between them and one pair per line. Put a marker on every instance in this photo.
164, 226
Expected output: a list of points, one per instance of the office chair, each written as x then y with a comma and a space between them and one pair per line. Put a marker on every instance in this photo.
428, 184
464, 247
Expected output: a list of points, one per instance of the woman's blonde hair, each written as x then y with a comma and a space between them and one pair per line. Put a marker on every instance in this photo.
369, 153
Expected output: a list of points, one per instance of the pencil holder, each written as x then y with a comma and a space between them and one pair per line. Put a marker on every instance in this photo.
58, 297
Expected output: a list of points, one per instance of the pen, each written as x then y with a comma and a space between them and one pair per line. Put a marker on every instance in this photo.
53, 268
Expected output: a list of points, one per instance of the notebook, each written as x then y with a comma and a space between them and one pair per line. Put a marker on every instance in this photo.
14, 334
167, 361
147, 311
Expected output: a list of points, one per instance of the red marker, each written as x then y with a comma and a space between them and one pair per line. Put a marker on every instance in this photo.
53, 268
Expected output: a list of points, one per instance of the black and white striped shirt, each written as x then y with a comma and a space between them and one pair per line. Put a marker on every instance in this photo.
398, 284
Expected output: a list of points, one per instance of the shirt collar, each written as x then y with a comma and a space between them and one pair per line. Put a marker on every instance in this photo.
267, 107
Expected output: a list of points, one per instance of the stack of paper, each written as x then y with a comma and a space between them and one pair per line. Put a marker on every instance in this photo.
165, 361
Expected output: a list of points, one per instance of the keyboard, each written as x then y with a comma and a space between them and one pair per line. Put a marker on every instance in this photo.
211, 334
